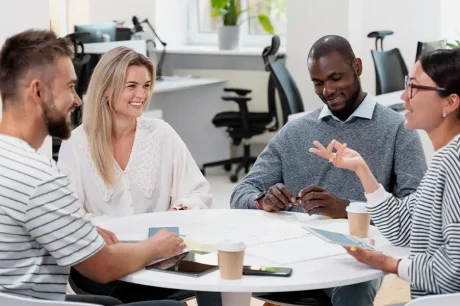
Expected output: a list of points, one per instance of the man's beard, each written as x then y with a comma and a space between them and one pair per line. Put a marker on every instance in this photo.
56, 122
350, 102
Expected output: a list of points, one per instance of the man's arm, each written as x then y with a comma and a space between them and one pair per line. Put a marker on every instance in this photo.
55, 220
265, 173
115, 261
409, 162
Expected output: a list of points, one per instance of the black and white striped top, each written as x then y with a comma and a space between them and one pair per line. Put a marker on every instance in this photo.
429, 222
42, 230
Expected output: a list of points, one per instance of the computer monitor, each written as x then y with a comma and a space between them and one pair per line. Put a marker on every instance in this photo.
428, 46
99, 32
123, 34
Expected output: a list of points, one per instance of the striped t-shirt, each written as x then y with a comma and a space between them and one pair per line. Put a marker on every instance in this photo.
429, 222
42, 230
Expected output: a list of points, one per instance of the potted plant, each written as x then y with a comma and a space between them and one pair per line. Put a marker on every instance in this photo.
229, 32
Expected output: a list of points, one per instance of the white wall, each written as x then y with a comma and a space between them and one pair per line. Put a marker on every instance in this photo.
58, 16
78, 12
121, 10
15, 19
450, 23
308, 20
171, 21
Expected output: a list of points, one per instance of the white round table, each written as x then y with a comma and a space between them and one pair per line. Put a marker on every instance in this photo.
254, 228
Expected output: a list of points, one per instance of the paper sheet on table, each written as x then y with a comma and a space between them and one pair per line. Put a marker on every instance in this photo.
307, 247
197, 245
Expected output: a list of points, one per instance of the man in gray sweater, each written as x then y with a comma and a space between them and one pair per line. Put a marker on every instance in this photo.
287, 177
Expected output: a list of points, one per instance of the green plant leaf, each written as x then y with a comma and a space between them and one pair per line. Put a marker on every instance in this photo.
230, 10
452, 46
218, 4
218, 12
458, 43
266, 23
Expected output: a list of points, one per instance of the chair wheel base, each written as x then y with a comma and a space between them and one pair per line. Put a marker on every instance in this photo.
233, 178
228, 167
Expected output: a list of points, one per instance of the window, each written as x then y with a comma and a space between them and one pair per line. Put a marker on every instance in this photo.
203, 28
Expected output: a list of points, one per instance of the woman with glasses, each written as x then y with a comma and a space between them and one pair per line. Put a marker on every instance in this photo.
427, 221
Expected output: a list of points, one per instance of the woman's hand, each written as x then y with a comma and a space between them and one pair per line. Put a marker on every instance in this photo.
348, 159
344, 157
180, 207
374, 259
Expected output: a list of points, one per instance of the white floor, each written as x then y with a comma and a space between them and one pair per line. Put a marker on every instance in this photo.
221, 187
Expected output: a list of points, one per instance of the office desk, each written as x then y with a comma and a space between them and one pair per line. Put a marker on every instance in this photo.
391, 98
252, 226
188, 105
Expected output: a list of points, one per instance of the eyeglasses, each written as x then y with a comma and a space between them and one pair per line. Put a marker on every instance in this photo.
410, 86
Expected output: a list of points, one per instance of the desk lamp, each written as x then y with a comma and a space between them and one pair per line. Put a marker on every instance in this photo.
138, 28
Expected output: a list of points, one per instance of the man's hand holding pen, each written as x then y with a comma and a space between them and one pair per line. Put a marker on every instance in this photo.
315, 200
318, 200
277, 198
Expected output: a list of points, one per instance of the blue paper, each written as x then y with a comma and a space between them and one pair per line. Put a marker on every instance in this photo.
154, 230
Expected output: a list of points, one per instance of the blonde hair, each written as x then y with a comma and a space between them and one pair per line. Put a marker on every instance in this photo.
105, 87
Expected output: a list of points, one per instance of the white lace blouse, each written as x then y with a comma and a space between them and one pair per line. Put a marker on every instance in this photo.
160, 174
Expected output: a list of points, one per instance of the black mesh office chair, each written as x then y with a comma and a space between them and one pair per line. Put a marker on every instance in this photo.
242, 125
288, 92
85, 286
390, 70
379, 35
81, 64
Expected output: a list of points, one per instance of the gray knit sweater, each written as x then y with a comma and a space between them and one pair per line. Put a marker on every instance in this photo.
393, 153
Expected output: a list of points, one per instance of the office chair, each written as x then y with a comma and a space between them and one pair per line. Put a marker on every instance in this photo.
379, 35
81, 64
76, 278
13, 300
390, 70
242, 125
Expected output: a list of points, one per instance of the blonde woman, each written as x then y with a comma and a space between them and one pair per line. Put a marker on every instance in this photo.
122, 164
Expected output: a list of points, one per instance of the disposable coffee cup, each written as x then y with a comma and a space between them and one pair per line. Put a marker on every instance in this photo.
230, 255
358, 219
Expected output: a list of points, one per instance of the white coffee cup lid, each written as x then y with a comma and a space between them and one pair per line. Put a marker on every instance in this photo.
231, 246
357, 208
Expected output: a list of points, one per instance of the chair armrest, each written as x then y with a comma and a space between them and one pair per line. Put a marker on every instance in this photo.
243, 105
238, 91
237, 99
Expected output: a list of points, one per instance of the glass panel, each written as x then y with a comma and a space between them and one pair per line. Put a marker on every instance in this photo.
207, 23
275, 9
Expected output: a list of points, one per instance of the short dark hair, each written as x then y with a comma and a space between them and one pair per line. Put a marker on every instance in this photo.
443, 66
27, 51
332, 43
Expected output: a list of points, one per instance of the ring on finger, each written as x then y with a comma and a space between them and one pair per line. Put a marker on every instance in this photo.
332, 159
